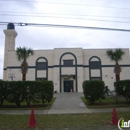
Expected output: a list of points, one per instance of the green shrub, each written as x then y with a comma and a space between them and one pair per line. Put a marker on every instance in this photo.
15, 92
93, 90
29, 91
47, 91
122, 87
3, 92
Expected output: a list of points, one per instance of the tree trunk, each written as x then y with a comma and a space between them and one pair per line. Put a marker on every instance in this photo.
117, 71
24, 77
18, 104
117, 77
28, 101
1, 103
24, 69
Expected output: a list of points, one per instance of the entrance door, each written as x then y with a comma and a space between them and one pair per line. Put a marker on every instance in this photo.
68, 85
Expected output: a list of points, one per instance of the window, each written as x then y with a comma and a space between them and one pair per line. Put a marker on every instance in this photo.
41, 66
95, 78
95, 65
40, 79
68, 63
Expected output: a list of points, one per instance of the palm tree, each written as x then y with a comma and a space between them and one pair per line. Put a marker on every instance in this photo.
22, 55
116, 56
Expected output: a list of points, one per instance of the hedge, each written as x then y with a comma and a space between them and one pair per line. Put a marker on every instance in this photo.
93, 90
122, 87
19, 91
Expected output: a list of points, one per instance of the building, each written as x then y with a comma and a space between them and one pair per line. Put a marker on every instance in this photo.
66, 67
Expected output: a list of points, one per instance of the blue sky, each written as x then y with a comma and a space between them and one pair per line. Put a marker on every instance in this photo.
50, 37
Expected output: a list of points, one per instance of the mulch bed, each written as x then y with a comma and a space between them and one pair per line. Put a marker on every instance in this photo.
23, 106
108, 104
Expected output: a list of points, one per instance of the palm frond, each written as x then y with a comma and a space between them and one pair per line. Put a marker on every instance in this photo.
23, 53
118, 54
110, 54
115, 55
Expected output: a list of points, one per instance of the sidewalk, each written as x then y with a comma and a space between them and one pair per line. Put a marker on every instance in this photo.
62, 111
65, 103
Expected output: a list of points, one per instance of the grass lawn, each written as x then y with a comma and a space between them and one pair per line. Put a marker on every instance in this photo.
61, 122
37, 106
106, 103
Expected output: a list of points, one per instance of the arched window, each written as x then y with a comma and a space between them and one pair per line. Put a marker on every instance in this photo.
41, 72
95, 70
67, 63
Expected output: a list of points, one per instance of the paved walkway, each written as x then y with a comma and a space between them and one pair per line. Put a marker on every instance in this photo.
65, 103
68, 103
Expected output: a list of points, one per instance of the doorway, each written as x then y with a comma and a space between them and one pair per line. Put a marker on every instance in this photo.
68, 86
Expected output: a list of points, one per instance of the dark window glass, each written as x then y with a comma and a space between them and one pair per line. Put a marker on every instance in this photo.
41, 66
40, 79
68, 63
95, 78
95, 65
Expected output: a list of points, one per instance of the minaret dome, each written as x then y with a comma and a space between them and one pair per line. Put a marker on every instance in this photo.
10, 26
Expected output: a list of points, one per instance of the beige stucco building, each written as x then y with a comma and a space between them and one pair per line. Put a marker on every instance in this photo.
66, 67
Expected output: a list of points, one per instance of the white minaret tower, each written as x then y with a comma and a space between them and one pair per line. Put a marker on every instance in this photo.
10, 35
